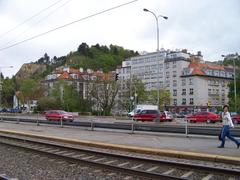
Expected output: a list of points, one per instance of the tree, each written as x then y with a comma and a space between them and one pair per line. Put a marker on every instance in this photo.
164, 98
83, 49
7, 93
104, 93
128, 90
30, 90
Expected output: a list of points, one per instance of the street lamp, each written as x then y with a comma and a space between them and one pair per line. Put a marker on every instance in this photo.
234, 57
158, 80
1, 82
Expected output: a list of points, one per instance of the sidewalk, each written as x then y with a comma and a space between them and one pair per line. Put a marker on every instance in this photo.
157, 141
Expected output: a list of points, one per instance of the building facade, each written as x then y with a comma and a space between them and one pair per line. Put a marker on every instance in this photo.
192, 83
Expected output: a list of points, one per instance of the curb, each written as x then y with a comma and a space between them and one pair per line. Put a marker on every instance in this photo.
136, 149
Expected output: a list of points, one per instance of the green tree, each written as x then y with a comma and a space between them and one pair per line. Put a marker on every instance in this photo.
130, 93
30, 90
104, 94
164, 98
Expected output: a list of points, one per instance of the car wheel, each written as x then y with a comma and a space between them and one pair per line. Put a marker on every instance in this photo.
209, 121
235, 121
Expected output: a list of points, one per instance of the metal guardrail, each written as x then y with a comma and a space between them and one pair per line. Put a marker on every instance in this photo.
131, 127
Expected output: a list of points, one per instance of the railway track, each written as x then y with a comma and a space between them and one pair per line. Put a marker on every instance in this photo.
128, 163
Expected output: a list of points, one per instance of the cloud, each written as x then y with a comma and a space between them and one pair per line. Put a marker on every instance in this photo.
208, 26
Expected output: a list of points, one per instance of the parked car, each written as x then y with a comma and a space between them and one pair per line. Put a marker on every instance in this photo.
236, 119
166, 116
15, 110
208, 117
57, 115
147, 115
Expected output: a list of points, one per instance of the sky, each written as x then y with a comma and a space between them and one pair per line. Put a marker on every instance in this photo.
209, 26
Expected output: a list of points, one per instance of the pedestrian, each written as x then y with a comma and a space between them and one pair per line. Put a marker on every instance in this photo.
227, 124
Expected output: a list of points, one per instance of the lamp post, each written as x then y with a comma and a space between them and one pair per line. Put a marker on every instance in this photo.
1, 82
234, 57
158, 80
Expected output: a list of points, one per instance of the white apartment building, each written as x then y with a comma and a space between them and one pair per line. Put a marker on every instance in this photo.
192, 83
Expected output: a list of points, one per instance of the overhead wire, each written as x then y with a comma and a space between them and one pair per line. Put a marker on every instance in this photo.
68, 24
43, 18
30, 18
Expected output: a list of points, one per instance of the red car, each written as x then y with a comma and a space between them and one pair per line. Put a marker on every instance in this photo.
208, 117
147, 115
58, 115
236, 118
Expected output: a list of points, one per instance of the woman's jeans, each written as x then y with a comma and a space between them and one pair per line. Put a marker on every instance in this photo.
226, 132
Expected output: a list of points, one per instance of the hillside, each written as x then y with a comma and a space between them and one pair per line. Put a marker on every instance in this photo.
29, 70
95, 57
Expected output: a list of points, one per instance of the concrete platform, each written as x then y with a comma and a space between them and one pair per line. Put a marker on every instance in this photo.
163, 144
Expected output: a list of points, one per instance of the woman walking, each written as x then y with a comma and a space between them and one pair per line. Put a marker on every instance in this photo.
227, 124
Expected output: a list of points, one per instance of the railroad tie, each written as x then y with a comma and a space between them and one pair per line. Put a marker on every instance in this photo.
110, 162
100, 159
88, 157
61, 152
123, 164
169, 171
68, 154
187, 174
138, 166
79, 155
208, 177
152, 169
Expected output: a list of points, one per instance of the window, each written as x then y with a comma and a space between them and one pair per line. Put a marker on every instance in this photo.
174, 83
174, 64
183, 82
191, 101
183, 91
167, 83
209, 91
184, 101
167, 65
175, 102
174, 74
191, 91
174, 92
167, 74
190, 81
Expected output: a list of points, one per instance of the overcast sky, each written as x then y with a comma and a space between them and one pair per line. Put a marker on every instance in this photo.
210, 26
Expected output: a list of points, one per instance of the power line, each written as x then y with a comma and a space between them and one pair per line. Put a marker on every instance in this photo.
28, 19
26, 30
68, 24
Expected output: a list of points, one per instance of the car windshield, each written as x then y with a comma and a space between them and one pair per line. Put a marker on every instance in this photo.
62, 112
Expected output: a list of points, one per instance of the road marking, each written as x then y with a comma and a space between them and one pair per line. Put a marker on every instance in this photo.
123, 164
96, 160
79, 155
207, 177
138, 166
89, 157
152, 169
169, 172
187, 174
110, 162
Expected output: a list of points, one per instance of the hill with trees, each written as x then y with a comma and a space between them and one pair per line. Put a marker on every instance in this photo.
96, 57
